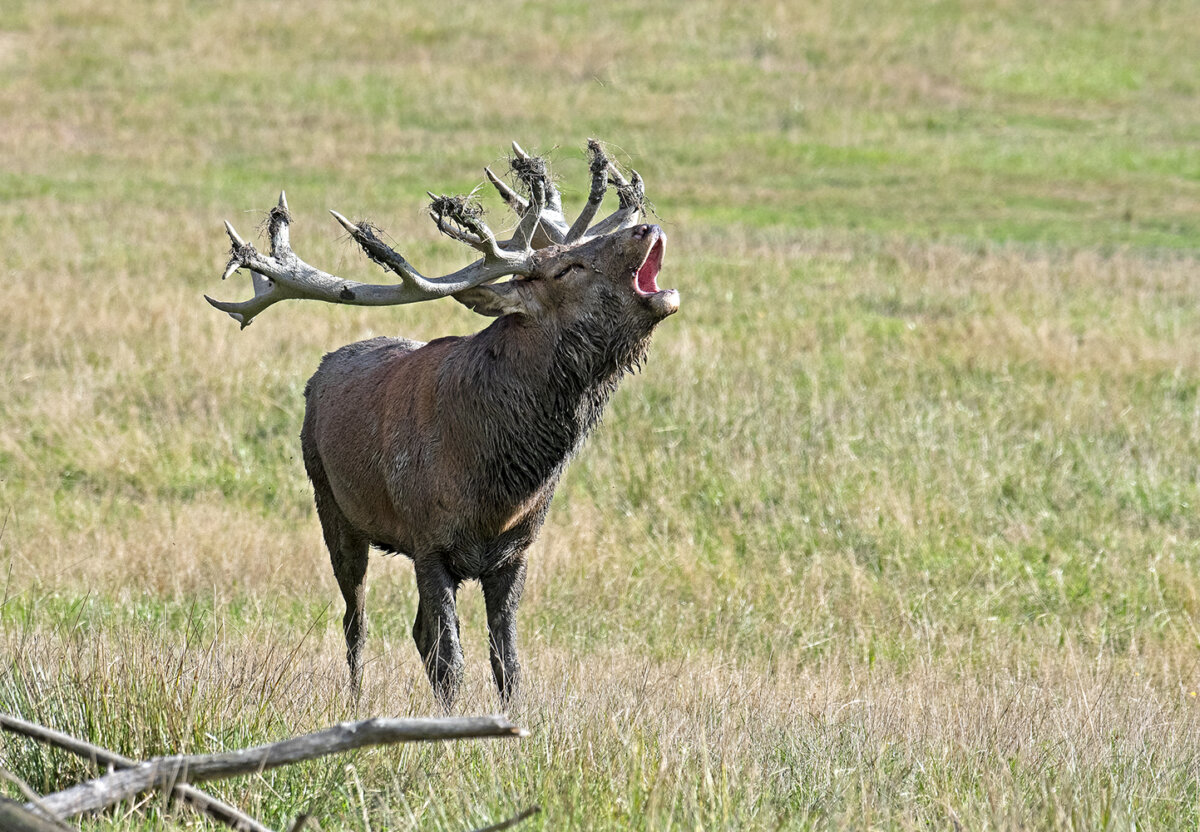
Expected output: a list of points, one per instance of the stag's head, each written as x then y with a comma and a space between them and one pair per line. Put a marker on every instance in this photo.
606, 280
598, 278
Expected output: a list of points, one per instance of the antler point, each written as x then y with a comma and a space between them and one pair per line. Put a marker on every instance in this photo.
233, 235
345, 223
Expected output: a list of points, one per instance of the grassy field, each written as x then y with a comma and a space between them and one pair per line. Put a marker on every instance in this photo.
898, 528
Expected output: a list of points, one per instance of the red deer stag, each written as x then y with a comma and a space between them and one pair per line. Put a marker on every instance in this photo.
449, 452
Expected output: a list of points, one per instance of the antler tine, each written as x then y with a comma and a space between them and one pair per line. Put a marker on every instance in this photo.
237, 244
496, 262
514, 200
618, 178
375, 249
533, 214
599, 166
455, 233
344, 223
233, 235
277, 227
553, 198
466, 214
244, 311
534, 173
629, 193
632, 199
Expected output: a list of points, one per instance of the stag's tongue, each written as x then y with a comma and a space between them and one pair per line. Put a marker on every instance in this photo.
649, 269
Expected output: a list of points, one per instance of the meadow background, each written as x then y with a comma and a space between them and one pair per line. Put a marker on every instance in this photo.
898, 528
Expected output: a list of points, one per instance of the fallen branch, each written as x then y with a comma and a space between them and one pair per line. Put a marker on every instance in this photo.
101, 757
169, 772
33, 797
14, 817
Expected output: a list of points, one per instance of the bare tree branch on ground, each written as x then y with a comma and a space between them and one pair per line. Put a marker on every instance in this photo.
103, 758
174, 772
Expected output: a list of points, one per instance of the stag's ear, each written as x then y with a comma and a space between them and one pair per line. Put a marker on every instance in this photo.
496, 299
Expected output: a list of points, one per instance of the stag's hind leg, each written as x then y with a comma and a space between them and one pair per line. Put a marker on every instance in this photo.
348, 550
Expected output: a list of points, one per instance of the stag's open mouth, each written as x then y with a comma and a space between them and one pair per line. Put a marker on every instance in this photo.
663, 301
646, 274
644, 281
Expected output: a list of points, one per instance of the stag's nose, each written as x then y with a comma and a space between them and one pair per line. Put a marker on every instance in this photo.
641, 231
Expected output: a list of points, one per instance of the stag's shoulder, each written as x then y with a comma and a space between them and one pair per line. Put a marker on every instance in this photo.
361, 356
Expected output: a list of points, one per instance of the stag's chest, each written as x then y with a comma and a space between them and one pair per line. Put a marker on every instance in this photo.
476, 555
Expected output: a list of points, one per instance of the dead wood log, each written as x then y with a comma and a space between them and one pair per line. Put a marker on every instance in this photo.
168, 772
103, 758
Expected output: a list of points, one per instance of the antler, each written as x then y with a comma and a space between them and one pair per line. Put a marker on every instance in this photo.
281, 275
553, 227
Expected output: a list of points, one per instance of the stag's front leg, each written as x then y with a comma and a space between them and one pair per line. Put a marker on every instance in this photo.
502, 593
436, 629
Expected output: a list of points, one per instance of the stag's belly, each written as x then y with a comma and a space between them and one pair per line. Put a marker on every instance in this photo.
467, 552
472, 537
457, 521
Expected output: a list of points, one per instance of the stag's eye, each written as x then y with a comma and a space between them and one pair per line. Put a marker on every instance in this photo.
563, 272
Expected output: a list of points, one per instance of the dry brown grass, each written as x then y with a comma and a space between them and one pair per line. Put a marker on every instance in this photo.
730, 746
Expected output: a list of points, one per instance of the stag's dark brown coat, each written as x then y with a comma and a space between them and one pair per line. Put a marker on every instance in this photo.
449, 452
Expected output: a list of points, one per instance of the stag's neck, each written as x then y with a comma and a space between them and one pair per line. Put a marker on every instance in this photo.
541, 391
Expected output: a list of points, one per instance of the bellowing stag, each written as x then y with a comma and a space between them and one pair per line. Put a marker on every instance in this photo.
449, 452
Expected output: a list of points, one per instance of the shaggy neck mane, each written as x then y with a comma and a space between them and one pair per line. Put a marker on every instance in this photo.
540, 391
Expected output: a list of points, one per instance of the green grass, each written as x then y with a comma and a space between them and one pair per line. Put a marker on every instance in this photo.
897, 528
